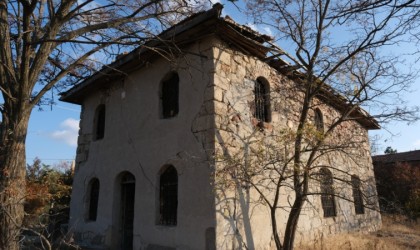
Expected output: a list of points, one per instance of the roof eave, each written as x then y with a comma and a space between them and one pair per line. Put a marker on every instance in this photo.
76, 93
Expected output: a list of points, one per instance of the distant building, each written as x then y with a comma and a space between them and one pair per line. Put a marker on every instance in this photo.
149, 133
397, 178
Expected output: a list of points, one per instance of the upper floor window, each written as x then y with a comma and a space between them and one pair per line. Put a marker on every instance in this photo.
357, 195
168, 197
93, 195
262, 100
99, 123
319, 121
170, 95
327, 193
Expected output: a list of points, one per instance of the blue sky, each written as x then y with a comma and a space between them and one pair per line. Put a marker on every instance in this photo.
400, 135
52, 134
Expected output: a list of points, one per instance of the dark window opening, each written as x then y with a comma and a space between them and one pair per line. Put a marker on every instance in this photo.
319, 121
128, 184
99, 122
168, 197
357, 195
93, 199
170, 95
327, 193
262, 100
210, 236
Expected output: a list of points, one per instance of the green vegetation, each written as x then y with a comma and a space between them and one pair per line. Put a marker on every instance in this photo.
48, 191
390, 150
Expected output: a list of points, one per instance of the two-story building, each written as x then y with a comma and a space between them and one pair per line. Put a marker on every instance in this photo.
150, 133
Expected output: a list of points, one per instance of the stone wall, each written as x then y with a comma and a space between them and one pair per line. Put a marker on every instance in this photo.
243, 146
83, 142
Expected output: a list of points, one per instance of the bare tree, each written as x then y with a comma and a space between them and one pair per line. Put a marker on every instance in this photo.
45, 46
337, 59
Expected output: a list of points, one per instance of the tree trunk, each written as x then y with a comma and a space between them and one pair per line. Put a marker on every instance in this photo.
289, 235
13, 131
274, 228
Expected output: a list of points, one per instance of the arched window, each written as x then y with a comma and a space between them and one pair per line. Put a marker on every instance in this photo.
93, 199
262, 100
170, 95
168, 197
357, 195
319, 121
99, 123
327, 193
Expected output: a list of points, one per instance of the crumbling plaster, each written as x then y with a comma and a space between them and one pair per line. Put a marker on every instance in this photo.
137, 140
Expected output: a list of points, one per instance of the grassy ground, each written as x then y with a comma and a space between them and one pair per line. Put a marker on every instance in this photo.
397, 233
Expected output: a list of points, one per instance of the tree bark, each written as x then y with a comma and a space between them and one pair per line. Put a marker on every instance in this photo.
274, 228
12, 176
289, 235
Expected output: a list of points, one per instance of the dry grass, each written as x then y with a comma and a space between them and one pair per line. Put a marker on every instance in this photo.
396, 233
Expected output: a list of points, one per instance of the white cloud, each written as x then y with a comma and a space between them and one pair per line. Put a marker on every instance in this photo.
68, 132
260, 29
267, 31
252, 26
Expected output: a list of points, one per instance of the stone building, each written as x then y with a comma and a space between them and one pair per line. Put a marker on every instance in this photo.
147, 166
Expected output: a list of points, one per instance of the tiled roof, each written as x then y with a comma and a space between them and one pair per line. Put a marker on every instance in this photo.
398, 157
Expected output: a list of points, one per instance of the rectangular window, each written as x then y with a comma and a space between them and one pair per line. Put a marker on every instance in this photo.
170, 95
99, 122
327, 193
93, 199
168, 197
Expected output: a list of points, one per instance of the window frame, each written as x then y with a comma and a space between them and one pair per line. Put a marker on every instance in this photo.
169, 95
168, 196
99, 122
93, 199
327, 193
357, 195
319, 120
262, 104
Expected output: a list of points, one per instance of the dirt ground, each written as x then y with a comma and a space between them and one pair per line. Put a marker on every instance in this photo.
397, 233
